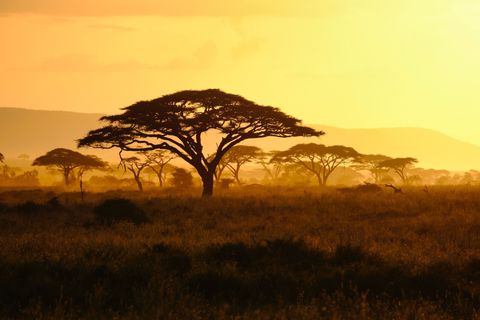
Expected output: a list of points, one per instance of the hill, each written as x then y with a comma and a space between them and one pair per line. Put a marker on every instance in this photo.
34, 132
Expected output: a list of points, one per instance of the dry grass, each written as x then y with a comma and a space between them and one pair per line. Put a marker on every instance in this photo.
258, 253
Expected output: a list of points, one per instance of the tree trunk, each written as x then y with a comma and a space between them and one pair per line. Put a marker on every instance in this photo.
207, 180
139, 183
81, 188
66, 174
160, 179
237, 178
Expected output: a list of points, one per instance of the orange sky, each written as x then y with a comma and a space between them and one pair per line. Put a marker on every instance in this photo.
349, 63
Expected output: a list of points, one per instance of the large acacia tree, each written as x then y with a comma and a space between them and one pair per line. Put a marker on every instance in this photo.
178, 123
319, 159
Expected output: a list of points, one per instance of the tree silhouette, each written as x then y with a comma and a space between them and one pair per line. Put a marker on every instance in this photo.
24, 156
221, 166
370, 162
89, 163
66, 161
135, 165
181, 178
238, 156
178, 122
1, 157
319, 159
272, 165
399, 166
157, 162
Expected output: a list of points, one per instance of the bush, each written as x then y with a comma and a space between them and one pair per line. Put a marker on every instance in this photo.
119, 210
181, 179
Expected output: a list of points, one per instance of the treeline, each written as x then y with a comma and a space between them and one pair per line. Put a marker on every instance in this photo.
301, 165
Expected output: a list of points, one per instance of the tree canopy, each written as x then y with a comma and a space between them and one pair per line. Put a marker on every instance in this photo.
1, 157
178, 122
319, 159
399, 166
66, 160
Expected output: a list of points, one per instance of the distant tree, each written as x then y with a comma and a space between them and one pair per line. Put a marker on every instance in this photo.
271, 164
222, 165
399, 166
89, 163
135, 165
65, 161
178, 122
238, 156
319, 159
158, 160
370, 162
24, 156
1, 158
181, 178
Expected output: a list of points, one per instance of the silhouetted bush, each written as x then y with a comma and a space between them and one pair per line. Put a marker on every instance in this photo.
119, 210
181, 179
30, 207
345, 254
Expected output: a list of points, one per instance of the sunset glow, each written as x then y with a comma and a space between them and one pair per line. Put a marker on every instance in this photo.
348, 63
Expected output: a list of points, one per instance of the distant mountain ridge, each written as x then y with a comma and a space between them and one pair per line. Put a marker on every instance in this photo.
34, 132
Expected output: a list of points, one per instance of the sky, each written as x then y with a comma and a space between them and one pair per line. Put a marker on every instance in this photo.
344, 63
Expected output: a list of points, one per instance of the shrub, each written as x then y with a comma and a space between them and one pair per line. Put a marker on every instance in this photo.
119, 210
30, 207
181, 178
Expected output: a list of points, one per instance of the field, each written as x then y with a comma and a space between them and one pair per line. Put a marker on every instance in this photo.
254, 253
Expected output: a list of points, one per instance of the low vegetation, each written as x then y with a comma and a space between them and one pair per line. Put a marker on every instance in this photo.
256, 253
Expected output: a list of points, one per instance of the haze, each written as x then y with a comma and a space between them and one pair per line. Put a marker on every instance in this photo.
350, 63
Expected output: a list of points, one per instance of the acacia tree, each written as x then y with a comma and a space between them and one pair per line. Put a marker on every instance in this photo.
63, 160
135, 165
178, 122
370, 162
157, 162
399, 166
319, 159
238, 156
272, 165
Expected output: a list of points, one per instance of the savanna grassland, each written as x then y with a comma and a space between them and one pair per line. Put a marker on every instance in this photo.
252, 253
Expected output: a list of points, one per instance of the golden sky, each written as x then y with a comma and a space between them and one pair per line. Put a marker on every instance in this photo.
346, 63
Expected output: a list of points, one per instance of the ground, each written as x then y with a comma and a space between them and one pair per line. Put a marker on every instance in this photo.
254, 253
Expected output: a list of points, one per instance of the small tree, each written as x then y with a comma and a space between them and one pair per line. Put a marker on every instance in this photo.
370, 162
399, 166
272, 165
319, 159
63, 160
24, 157
178, 122
157, 162
135, 165
238, 156
1, 157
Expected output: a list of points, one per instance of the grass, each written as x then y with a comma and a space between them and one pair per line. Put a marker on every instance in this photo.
257, 253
